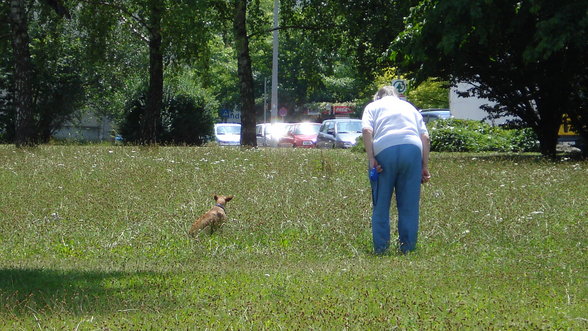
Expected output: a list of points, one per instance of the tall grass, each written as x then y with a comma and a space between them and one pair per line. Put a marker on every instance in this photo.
95, 237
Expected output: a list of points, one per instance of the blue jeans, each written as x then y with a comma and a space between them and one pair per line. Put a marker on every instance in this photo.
402, 171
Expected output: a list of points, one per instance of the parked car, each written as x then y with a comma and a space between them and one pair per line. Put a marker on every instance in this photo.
227, 134
272, 134
432, 114
261, 133
301, 135
339, 133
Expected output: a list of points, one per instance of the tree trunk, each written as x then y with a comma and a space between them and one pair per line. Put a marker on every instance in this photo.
551, 105
548, 133
23, 99
151, 117
248, 137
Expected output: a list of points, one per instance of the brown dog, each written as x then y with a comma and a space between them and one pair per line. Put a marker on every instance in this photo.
214, 218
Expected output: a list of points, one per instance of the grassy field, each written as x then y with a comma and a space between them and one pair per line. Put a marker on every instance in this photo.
95, 237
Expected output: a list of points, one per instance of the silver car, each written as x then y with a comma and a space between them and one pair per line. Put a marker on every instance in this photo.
433, 114
339, 133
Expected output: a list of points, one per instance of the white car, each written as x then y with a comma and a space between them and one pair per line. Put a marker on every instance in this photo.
263, 133
227, 134
270, 134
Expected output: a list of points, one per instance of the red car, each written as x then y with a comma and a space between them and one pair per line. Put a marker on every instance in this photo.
301, 135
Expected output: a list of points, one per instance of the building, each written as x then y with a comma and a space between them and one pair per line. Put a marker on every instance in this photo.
469, 108
89, 128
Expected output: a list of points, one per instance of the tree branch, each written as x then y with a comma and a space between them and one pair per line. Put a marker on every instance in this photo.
124, 10
135, 30
295, 27
59, 8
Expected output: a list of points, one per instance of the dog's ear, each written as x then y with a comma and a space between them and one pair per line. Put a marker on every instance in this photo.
215, 197
229, 198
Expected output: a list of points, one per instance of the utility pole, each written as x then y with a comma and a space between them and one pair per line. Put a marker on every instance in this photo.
274, 112
265, 100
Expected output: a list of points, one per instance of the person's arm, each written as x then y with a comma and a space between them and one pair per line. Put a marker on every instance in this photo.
368, 143
426, 148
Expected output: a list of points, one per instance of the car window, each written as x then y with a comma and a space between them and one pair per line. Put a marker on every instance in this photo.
232, 129
348, 127
331, 126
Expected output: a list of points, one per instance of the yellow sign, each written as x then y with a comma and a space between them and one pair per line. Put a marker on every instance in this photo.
565, 129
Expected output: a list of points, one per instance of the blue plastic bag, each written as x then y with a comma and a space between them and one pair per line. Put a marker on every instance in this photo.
374, 174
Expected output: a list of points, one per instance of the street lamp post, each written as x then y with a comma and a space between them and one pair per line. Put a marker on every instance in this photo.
274, 112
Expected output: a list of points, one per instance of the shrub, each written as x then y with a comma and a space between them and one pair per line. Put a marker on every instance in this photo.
358, 147
524, 140
455, 135
185, 119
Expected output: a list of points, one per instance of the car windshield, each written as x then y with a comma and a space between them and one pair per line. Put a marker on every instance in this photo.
229, 129
347, 127
307, 129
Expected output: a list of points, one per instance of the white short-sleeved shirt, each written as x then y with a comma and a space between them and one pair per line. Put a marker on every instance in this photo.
394, 122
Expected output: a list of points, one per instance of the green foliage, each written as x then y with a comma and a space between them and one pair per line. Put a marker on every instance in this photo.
431, 93
218, 73
510, 51
186, 118
96, 238
333, 50
359, 147
472, 136
57, 82
454, 135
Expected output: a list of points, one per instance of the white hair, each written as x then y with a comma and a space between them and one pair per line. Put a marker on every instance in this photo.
386, 91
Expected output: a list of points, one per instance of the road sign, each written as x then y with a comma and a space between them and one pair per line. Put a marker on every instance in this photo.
400, 84
224, 112
283, 111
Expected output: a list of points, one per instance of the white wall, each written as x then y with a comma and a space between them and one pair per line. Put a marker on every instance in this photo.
89, 128
469, 108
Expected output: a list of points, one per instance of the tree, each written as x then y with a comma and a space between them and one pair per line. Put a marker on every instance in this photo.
343, 40
24, 127
524, 55
248, 137
246, 20
143, 18
152, 115
431, 93
170, 29
23, 99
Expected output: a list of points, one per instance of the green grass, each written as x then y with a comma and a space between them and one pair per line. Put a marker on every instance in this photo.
95, 237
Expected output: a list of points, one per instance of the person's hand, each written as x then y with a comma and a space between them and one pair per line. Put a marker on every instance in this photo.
426, 176
374, 164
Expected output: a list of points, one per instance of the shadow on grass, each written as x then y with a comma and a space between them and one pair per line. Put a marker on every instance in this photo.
43, 291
